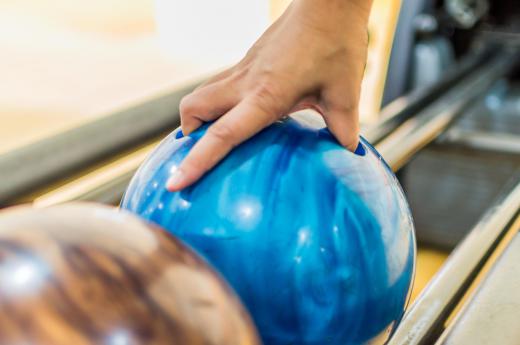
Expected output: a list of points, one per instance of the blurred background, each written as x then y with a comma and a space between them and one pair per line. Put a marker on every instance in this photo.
88, 87
67, 62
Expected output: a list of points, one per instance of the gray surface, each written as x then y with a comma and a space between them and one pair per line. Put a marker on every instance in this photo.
449, 188
432, 56
492, 316
498, 113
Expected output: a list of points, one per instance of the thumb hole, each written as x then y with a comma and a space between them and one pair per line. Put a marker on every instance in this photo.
344, 127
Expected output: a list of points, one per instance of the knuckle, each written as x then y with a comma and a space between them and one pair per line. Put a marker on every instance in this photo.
267, 91
240, 72
187, 106
223, 133
347, 109
267, 98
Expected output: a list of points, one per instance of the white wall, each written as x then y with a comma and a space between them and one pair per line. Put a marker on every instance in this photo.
215, 32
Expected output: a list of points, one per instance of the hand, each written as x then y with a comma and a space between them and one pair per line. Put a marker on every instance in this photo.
313, 56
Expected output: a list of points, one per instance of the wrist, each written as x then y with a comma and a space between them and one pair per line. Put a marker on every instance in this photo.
357, 7
354, 12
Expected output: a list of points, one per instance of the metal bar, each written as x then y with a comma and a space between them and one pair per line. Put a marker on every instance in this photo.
489, 141
95, 193
415, 133
402, 110
409, 105
51, 159
492, 314
427, 315
110, 193
41, 163
105, 185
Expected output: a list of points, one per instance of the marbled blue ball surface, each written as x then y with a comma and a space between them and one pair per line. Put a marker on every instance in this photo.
317, 241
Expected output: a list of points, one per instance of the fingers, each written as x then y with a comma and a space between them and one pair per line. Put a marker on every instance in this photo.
216, 78
343, 123
308, 102
207, 104
342, 116
243, 121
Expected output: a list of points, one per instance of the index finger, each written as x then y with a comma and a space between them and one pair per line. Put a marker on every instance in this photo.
246, 119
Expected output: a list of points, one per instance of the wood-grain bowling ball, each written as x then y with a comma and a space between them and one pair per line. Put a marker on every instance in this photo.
86, 274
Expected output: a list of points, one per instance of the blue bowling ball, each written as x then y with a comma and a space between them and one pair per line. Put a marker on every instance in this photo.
317, 241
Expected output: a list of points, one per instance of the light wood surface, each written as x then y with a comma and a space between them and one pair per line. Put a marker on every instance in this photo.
428, 263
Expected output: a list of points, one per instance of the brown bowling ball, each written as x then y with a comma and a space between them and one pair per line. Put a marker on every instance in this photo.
85, 274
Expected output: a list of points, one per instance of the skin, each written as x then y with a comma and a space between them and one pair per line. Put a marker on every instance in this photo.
313, 56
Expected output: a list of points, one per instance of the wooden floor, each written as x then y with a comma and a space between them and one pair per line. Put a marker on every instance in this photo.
428, 263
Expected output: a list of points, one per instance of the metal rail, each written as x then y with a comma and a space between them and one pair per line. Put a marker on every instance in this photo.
105, 185
51, 159
424, 320
491, 315
37, 165
481, 140
481, 64
407, 106
415, 133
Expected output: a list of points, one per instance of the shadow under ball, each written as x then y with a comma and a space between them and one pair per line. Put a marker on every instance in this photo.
85, 274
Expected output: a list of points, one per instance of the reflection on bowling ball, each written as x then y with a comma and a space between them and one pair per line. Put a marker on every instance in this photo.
82, 274
317, 241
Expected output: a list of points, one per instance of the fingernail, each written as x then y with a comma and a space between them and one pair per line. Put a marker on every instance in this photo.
175, 181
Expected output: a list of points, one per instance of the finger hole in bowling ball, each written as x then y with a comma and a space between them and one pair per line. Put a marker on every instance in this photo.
325, 133
179, 134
